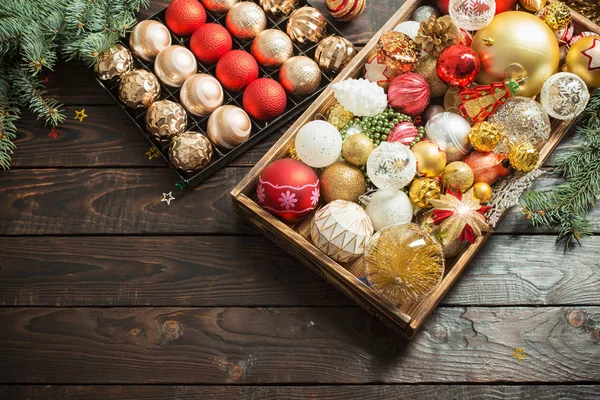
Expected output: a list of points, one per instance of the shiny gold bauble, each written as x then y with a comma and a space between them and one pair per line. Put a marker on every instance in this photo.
533, 5
484, 136
174, 65
300, 76
342, 181
524, 157
458, 176
190, 151
272, 48
278, 6
583, 59
219, 6
483, 192
424, 189
201, 94
556, 15
357, 148
245, 20
148, 38
165, 119
334, 53
517, 44
138, 88
113, 62
338, 116
431, 160
426, 67
306, 25
229, 126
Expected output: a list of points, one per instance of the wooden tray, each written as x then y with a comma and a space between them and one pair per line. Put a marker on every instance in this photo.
406, 319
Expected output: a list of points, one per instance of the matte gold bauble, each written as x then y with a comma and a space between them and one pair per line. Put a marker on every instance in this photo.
300, 76
306, 25
229, 126
278, 6
190, 151
174, 65
583, 59
138, 88
338, 116
334, 53
201, 94
245, 20
457, 176
424, 189
148, 38
426, 67
431, 160
483, 192
357, 148
165, 119
342, 181
524, 157
517, 44
219, 6
272, 48
114, 62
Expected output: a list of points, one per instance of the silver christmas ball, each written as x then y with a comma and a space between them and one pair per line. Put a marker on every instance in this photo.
423, 13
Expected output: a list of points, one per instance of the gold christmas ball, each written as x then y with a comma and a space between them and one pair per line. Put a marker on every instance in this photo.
190, 151
278, 6
483, 192
517, 44
306, 25
300, 76
458, 176
345, 10
245, 20
219, 6
334, 53
484, 136
426, 67
174, 65
113, 62
342, 181
272, 48
533, 5
138, 88
424, 189
229, 126
583, 59
338, 116
357, 148
201, 94
556, 15
165, 119
148, 38
524, 157
431, 160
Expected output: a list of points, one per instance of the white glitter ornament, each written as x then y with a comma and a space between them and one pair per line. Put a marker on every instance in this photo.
564, 96
361, 97
341, 230
389, 207
318, 144
472, 15
391, 166
451, 132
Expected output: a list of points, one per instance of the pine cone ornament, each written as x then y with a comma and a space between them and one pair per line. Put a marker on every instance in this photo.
436, 34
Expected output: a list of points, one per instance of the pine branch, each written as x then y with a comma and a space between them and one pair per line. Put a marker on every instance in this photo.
31, 94
9, 114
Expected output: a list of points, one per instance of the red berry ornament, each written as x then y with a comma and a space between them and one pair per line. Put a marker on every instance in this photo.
409, 93
458, 65
210, 42
236, 70
264, 99
288, 189
183, 17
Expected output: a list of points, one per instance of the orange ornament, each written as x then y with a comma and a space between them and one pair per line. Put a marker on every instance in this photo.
488, 167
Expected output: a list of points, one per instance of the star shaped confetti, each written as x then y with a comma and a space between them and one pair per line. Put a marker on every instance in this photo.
167, 198
80, 115
519, 354
593, 53
54, 133
152, 153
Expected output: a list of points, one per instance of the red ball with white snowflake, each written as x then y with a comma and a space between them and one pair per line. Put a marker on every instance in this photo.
288, 189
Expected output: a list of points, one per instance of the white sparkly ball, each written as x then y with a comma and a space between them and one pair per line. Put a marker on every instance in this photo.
391, 166
564, 96
451, 132
361, 97
389, 207
472, 15
409, 28
318, 144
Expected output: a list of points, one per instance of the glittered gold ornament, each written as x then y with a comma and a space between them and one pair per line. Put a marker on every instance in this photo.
483, 192
278, 6
219, 6
533, 5
113, 62
342, 181
306, 25
245, 20
338, 116
431, 160
148, 38
165, 119
404, 263
174, 65
583, 59
457, 176
357, 148
524, 157
334, 53
484, 136
292, 153
300, 76
398, 51
201, 94
424, 189
190, 151
229, 126
138, 88
345, 10
272, 48
556, 15
426, 67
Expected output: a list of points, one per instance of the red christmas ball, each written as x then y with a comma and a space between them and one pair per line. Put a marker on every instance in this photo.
501, 5
210, 42
405, 132
488, 167
288, 189
236, 70
409, 93
183, 17
264, 99
443, 6
458, 65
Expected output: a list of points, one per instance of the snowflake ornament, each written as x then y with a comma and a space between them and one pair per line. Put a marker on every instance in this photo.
361, 97
564, 96
472, 15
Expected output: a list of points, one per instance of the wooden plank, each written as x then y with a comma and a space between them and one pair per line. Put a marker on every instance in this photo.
350, 392
295, 345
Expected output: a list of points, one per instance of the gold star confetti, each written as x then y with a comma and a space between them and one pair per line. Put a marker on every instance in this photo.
152, 153
519, 354
80, 115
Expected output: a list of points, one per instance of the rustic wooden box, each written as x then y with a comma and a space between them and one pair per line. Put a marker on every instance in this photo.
406, 319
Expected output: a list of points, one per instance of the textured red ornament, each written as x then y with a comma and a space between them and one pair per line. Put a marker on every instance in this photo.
501, 5
409, 93
288, 189
210, 42
458, 65
405, 132
264, 99
488, 167
183, 17
236, 70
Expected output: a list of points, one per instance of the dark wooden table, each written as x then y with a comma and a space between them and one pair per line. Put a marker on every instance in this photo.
107, 292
